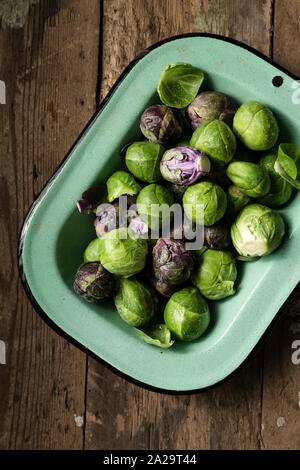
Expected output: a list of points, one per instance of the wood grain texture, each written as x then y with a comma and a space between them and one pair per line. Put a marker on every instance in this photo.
228, 417
50, 70
281, 387
247, 21
53, 76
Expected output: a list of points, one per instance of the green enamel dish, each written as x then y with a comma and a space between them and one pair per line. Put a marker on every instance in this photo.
54, 234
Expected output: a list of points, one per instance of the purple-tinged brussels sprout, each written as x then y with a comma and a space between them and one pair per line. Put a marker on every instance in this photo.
135, 223
93, 283
217, 236
184, 165
163, 288
161, 124
91, 198
211, 105
107, 218
172, 263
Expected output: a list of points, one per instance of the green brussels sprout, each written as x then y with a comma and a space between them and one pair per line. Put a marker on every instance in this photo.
121, 183
216, 139
256, 126
215, 274
157, 335
122, 252
287, 164
281, 190
135, 302
92, 252
179, 84
204, 203
143, 160
210, 105
187, 314
161, 124
93, 283
250, 178
236, 200
257, 231
153, 205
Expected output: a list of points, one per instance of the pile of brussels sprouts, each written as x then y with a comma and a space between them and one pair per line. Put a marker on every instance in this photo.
198, 149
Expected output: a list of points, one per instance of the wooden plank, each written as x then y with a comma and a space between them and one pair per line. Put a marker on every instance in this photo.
281, 391
50, 70
121, 415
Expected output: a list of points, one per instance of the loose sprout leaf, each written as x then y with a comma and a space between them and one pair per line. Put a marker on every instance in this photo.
179, 84
157, 335
121, 183
287, 164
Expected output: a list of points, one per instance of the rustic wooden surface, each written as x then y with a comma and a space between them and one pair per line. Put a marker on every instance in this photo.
57, 68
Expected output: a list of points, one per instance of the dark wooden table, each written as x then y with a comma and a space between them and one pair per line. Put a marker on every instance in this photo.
57, 68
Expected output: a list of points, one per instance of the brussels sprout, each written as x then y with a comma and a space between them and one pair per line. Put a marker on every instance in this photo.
287, 164
187, 314
143, 160
136, 224
207, 200
135, 302
93, 283
122, 253
250, 178
121, 183
216, 139
257, 231
153, 203
217, 236
236, 200
179, 84
91, 198
157, 335
211, 105
161, 287
172, 263
255, 125
107, 218
184, 165
161, 124
281, 190
215, 274
92, 251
